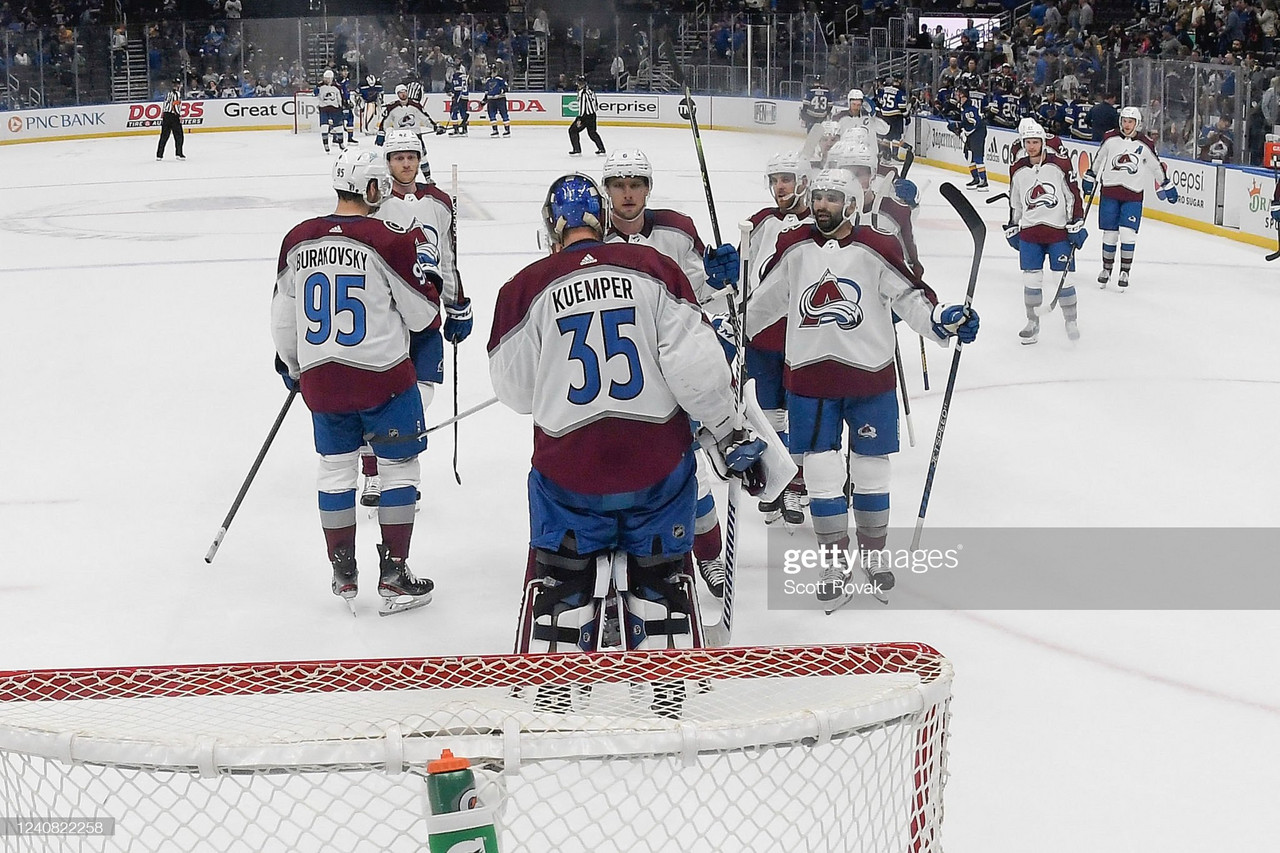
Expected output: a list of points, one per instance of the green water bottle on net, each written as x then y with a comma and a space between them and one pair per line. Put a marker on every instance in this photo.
458, 823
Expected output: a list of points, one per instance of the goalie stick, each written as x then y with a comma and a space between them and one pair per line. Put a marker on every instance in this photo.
453, 240
978, 230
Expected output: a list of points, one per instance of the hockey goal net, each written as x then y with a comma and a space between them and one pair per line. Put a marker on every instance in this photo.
741, 749
306, 113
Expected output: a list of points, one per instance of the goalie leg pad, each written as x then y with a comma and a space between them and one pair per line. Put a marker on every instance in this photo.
659, 604
565, 612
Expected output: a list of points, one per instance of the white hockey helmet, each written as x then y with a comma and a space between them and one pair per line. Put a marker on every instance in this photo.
856, 95
628, 163
1133, 113
402, 139
842, 182
328, 74
353, 171
848, 154
402, 89
1029, 128
790, 163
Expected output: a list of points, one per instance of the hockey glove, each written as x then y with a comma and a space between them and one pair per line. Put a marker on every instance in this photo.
290, 382
907, 192
1012, 235
1275, 210
457, 323
1077, 233
380, 138
954, 127
1088, 182
1167, 192
955, 320
721, 265
724, 334
742, 451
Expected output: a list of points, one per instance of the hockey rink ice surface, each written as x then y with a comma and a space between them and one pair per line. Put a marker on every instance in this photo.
136, 368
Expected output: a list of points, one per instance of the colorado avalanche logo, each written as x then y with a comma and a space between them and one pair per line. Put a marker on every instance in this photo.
1126, 161
1041, 195
831, 300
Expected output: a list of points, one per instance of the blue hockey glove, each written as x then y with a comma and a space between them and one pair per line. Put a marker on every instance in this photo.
457, 322
1077, 233
743, 451
956, 320
721, 265
1012, 235
1088, 182
907, 191
290, 382
380, 138
1167, 192
1275, 210
724, 333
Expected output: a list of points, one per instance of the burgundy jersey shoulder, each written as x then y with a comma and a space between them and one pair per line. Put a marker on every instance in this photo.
762, 215
520, 291
433, 191
1111, 134
1021, 163
674, 219
788, 240
300, 233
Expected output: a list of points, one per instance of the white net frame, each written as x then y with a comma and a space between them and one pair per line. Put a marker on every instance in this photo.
306, 112
819, 748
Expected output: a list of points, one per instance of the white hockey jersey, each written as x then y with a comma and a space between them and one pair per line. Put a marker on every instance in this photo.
674, 235
1126, 167
1043, 198
329, 96
404, 114
605, 346
839, 298
767, 226
430, 208
349, 290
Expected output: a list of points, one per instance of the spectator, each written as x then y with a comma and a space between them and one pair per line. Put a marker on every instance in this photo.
1271, 104
1103, 116
619, 72
233, 8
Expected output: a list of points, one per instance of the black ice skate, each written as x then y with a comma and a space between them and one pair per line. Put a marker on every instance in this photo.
399, 589
345, 584
713, 573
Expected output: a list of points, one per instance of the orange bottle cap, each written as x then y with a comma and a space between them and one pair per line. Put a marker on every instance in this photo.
447, 762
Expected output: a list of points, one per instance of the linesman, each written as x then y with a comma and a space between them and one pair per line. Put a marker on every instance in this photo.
171, 122
588, 107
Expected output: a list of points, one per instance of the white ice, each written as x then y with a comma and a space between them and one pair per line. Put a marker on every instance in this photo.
136, 379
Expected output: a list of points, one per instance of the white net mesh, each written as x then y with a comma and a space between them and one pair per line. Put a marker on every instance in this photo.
812, 748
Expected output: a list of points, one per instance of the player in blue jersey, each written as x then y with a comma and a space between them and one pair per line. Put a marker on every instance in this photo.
348, 109
971, 127
495, 98
816, 106
460, 91
891, 106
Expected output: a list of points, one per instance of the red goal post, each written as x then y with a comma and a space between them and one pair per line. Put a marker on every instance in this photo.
788, 748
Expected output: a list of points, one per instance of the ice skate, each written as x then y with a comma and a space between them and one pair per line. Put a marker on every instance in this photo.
1104, 277
371, 494
772, 510
575, 153
973, 182
345, 580
506, 131
1031, 332
399, 589
879, 574
792, 513
1073, 331
982, 186
713, 573
1123, 279
834, 578
495, 132
601, 152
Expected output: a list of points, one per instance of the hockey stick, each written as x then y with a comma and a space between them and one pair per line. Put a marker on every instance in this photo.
248, 480
996, 198
1041, 310
1275, 167
924, 363
978, 230
409, 439
902, 385
453, 238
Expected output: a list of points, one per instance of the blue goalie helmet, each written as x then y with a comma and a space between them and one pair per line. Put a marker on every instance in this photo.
574, 201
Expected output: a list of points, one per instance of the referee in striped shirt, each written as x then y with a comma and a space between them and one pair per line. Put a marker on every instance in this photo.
588, 106
171, 122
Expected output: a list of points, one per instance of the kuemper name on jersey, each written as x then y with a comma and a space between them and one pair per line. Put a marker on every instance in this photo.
340, 256
582, 290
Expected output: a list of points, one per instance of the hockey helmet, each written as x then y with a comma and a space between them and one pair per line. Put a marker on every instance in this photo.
371, 81
1029, 128
628, 163
1133, 113
402, 139
856, 95
789, 163
402, 92
353, 171
328, 74
850, 153
574, 201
